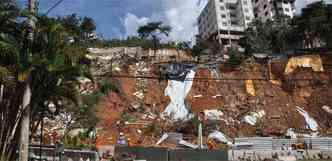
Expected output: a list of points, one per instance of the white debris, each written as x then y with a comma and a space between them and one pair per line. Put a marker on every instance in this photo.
327, 109
213, 114
139, 131
198, 96
185, 143
139, 95
290, 132
219, 136
163, 138
171, 137
253, 117
178, 91
216, 96
311, 123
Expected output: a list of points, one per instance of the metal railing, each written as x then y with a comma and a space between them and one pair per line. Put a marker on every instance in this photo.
269, 143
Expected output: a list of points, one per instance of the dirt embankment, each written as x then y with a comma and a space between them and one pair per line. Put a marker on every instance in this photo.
136, 109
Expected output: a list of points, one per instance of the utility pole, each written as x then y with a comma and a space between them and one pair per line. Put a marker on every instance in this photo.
25, 122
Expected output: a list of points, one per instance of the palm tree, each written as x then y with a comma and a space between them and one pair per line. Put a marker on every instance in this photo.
51, 67
154, 30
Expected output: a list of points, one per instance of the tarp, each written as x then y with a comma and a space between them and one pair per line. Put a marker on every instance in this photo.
250, 88
311, 123
219, 136
178, 91
308, 61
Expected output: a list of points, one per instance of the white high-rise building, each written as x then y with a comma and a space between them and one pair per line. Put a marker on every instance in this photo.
225, 20
268, 9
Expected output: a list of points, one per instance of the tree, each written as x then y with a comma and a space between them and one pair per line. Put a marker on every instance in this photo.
313, 27
49, 69
154, 30
88, 25
267, 37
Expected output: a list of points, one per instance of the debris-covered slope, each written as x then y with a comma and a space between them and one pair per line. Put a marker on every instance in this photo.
248, 102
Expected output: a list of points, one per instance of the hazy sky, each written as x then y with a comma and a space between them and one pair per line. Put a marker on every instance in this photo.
120, 18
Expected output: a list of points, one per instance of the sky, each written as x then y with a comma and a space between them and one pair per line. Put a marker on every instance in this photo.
121, 18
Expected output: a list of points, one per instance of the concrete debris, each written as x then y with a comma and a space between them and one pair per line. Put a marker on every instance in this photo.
311, 123
216, 96
178, 91
308, 61
213, 114
187, 144
327, 109
170, 137
135, 105
291, 133
250, 88
198, 96
219, 136
139, 95
253, 117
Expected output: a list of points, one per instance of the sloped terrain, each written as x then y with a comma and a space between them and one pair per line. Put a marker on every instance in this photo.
136, 109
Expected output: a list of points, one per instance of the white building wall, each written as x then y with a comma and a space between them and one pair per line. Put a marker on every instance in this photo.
265, 9
222, 15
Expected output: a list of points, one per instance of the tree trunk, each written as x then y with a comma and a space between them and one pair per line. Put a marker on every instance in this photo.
25, 126
25, 122
1, 92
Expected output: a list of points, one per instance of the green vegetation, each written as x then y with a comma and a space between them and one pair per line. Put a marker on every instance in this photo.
154, 30
311, 29
48, 67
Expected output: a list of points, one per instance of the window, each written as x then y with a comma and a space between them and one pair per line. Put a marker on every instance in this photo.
222, 8
223, 16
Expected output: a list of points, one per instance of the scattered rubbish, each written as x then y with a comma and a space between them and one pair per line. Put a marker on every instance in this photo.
178, 91
213, 114
219, 136
253, 117
291, 134
309, 61
139, 95
311, 123
250, 88
135, 105
198, 96
139, 131
171, 137
185, 143
327, 109
216, 96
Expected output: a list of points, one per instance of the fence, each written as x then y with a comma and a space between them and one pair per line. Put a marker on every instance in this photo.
269, 143
49, 153
163, 154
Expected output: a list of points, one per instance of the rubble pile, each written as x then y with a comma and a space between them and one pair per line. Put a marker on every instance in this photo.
228, 103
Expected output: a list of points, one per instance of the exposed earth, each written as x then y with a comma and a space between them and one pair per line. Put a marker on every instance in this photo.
254, 86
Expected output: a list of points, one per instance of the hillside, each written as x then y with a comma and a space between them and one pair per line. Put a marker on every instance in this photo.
259, 97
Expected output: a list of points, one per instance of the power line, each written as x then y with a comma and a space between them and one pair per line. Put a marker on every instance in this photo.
205, 78
55, 5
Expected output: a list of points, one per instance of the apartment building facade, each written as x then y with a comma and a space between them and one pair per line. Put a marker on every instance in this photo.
265, 10
225, 20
